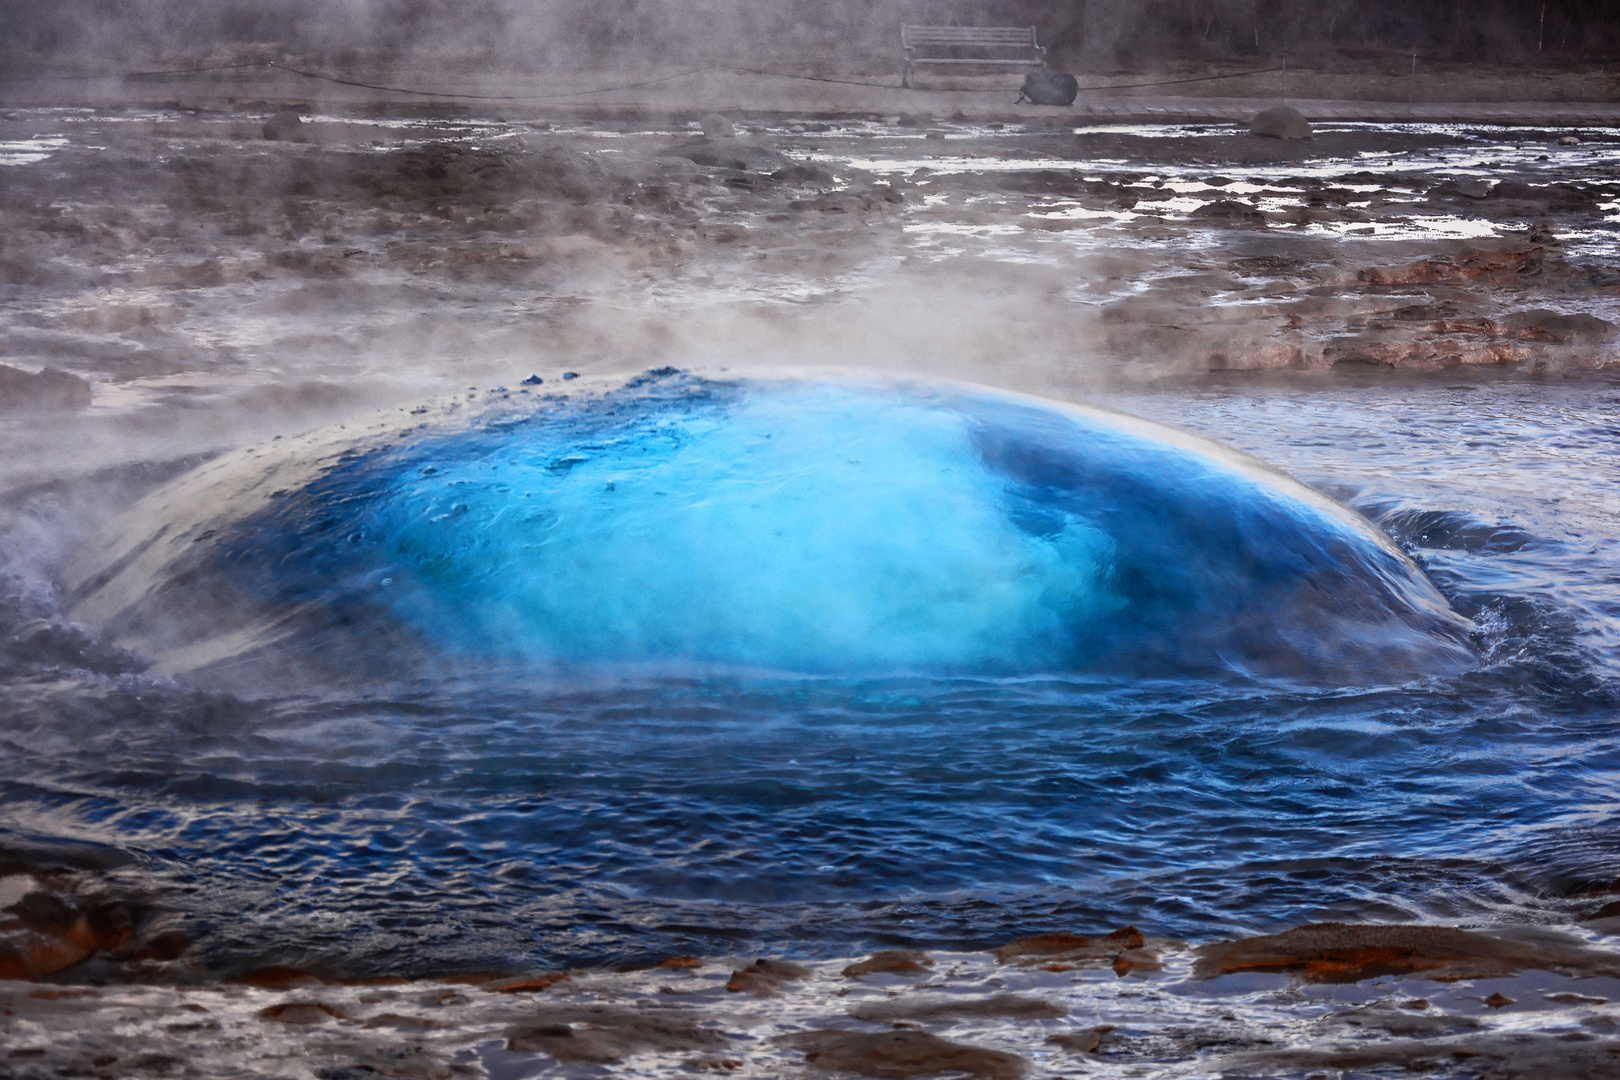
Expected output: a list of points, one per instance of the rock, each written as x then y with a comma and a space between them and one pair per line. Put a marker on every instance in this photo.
1475, 188
891, 962
303, 1012
602, 1035
899, 1054
401, 1022
286, 126
1081, 1042
1569, 140
1343, 953
1508, 1056
567, 375
1001, 1005
1498, 1000
1403, 1020
275, 977
49, 389
743, 155
526, 983
1540, 324
1281, 122
1501, 266
1230, 210
803, 174
532, 380
764, 977
679, 962
1517, 190
716, 126
1065, 950
1049, 88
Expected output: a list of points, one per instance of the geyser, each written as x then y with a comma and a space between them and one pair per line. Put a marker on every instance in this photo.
848, 525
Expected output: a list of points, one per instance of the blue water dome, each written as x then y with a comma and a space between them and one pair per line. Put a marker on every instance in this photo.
816, 524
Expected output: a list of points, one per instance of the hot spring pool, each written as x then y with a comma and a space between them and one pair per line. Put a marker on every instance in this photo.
711, 664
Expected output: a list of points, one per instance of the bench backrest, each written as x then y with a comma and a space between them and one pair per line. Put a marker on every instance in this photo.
1004, 37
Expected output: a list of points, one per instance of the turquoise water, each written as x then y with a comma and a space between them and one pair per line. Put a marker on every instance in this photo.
816, 528
811, 526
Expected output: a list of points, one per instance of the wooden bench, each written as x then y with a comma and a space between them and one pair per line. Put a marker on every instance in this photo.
969, 45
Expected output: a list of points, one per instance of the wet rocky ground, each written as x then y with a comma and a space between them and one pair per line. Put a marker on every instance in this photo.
1324, 1000
180, 256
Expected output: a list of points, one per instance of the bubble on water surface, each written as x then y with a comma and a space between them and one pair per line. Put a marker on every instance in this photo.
815, 524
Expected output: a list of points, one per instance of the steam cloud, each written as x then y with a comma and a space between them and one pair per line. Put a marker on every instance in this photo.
533, 34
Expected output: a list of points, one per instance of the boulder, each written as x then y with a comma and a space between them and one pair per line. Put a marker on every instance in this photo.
286, 126
890, 962
716, 126
1230, 210
1049, 88
598, 1035
1343, 953
900, 1054
764, 977
744, 155
47, 390
1281, 122
937, 1008
1543, 325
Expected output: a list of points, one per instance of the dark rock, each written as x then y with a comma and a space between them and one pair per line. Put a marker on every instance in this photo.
402, 1022
1078, 949
764, 977
1514, 189
525, 984
1501, 266
562, 170
1403, 1020
1281, 122
891, 962
275, 977
567, 375
286, 126
162, 947
1010, 1005
743, 155
803, 174
716, 126
1049, 88
899, 1054
1229, 210
605, 1035
532, 380
1342, 953
45, 912
1540, 324
1081, 1042
48, 389
303, 1012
